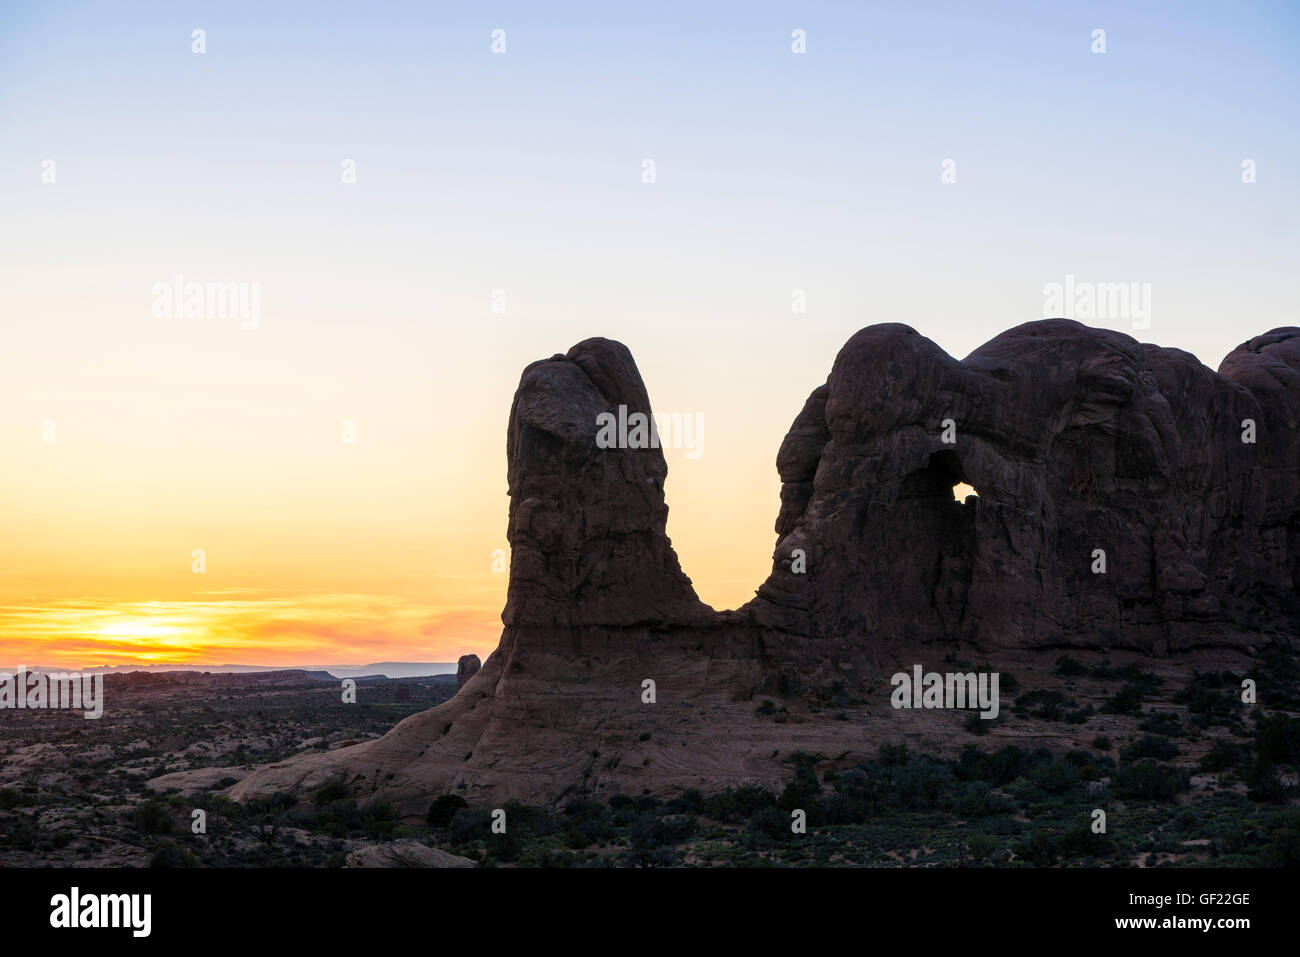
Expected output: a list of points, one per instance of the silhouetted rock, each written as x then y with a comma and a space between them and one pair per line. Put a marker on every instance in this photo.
466, 668
1078, 441
587, 538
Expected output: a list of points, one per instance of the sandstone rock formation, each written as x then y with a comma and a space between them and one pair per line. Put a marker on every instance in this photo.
404, 853
1079, 442
467, 668
1076, 439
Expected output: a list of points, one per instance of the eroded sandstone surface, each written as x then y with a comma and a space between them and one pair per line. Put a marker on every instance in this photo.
1079, 441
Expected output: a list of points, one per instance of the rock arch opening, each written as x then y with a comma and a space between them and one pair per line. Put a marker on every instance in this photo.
943, 480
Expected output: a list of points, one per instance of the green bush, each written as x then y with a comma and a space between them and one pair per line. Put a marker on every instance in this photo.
651, 842
443, 808
593, 822
171, 854
1164, 723
976, 725
1044, 704
1148, 780
468, 825
153, 817
1091, 767
1128, 700
1283, 846
1222, 756
1007, 764
342, 817
1038, 849
1147, 746
1080, 841
505, 847
1067, 667
975, 799
772, 823
691, 801
1262, 782
332, 791
981, 846
1055, 777
891, 755
380, 820
1278, 739
739, 804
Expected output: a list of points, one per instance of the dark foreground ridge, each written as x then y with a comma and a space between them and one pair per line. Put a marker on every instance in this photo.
1079, 441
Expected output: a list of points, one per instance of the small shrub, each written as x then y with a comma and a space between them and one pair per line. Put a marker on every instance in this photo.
1278, 739
153, 818
1148, 780
171, 854
330, 792
975, 724
469, 825
1147, 746
443, 809
1038, 849
892, 755
981, 846
1128, 700
1067, 667
1222, 756
1162, 722
1262, 782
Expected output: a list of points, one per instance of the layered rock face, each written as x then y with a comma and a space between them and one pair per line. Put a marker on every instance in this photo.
1118, 508
1084, 447
587, 538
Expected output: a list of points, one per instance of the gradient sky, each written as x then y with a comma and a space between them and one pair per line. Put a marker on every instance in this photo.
478, 171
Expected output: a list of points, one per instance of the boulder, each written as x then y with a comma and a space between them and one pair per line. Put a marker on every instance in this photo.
404, 853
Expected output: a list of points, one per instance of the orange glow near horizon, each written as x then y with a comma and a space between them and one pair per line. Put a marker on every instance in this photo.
339, 629
315, 551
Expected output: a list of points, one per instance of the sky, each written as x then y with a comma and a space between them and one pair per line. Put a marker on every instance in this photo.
321, 478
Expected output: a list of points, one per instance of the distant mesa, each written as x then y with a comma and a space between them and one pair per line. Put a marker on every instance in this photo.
466, 668
1081, 442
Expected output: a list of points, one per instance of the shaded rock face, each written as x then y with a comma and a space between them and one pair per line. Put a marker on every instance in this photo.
467, 667
1079, 442
586, 529
404, 853
611, 676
